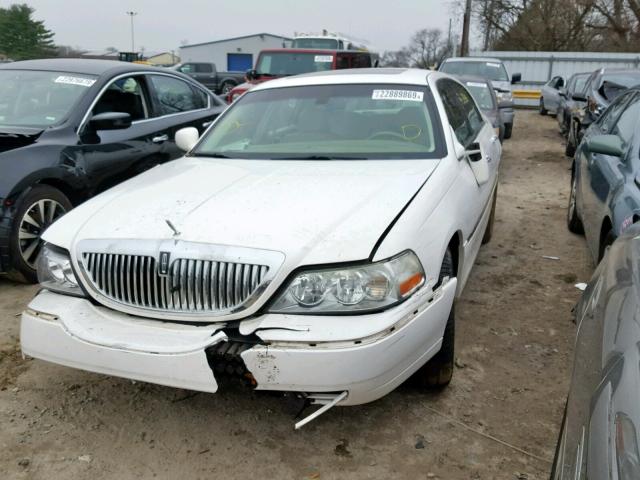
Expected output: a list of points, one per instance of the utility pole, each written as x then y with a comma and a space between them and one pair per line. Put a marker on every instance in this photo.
466, 22
449, 49
131, 15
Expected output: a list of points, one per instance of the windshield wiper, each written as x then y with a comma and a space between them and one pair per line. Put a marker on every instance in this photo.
209, 155
319, 157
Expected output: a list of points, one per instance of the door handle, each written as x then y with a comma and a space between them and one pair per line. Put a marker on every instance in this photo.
160, 138
206, 124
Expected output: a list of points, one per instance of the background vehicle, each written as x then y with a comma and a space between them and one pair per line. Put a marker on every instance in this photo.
208, 75
599, 432
327, 41
567, 105
494, 70
261, 220
485, 96
603, 86
72, 128
605, 198
550, 95
284, 62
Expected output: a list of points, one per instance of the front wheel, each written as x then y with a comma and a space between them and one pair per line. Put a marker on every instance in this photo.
543, 110
438, 371
573, 219
42, 206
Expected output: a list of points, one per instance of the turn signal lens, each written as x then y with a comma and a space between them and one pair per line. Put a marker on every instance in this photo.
411, 284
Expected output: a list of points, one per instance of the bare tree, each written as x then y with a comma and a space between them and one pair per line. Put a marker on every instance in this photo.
426, 49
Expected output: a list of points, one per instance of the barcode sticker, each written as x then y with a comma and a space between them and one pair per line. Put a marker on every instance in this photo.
83, 82
407, 95
477, 84
323, 59
493, 65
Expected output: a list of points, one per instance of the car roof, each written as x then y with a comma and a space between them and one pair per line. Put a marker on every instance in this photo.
79, 65
473, 59
408, 76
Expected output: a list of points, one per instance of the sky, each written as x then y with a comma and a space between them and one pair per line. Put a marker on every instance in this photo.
165, 25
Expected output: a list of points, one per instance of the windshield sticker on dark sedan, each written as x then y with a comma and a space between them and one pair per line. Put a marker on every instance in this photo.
408, 95
83, 82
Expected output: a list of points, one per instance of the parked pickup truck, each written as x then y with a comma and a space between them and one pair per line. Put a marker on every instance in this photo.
207, 74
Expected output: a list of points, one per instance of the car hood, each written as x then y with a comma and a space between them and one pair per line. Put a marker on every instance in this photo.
501, 85
312, 211
17, 137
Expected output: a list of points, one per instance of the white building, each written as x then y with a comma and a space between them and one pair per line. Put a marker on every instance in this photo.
236, 54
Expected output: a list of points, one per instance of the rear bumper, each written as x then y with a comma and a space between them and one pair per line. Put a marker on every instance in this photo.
73, 332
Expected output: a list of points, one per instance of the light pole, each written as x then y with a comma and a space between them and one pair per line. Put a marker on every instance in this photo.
131, 15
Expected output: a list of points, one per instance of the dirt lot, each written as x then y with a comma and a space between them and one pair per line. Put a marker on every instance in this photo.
498, 419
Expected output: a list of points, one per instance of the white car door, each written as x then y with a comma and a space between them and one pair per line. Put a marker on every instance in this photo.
479, 157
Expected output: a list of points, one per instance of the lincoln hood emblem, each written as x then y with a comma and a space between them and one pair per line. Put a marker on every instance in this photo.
163, 264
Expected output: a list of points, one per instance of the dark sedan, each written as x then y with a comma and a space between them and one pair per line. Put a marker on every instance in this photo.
485, 96
605, 180
72, 128
599, 432
603, 87
567, 105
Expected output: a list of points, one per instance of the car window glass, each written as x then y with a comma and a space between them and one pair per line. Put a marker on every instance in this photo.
626, 125
579, 84
174, 95
203, 68
186, 68
201, 99
609, 117
461, 110
124, 95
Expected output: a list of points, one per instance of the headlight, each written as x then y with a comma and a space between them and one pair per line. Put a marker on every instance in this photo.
55, 272
358, 288
504, 97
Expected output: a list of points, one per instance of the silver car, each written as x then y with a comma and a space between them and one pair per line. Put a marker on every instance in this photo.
599, 433
550, 95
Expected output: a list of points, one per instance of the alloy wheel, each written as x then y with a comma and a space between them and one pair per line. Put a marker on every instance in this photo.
33, 224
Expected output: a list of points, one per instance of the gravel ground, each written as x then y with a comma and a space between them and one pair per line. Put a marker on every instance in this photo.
498, 419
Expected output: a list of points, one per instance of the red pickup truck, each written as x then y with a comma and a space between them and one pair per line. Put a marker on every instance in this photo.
283, 62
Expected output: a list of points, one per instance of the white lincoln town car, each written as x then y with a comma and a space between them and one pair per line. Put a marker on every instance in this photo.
313, 241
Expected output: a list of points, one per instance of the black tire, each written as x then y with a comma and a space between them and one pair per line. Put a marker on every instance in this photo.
226, 87
573, 218
543, 111
488, 232
438, 371
508, 130
608, 240
23, 269
570, 149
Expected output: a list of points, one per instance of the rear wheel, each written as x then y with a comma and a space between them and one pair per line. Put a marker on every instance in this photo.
42, 206
508, 128
543, 111
437, 372
226, 88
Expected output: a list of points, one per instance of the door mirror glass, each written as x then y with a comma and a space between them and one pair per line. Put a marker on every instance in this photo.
186, 138
110, 121
516, 78
606, 145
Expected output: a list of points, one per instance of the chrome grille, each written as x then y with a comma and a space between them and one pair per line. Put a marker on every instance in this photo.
190, 286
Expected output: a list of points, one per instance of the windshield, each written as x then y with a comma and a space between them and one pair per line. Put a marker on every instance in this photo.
580, 83
481, 94
291, 63
492, 70
39, 99
328, 122
330, 43
613, 85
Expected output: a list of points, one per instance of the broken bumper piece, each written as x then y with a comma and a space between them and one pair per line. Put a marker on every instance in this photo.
366, 356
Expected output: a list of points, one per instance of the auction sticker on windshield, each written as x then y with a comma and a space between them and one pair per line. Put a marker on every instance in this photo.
84, 82
409, 95
323, 58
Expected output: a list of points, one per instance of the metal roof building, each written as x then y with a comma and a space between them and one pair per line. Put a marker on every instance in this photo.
232, 54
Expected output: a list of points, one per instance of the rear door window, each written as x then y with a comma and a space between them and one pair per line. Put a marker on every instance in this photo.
175, 96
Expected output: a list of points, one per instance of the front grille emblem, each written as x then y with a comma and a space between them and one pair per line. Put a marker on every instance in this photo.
163, 264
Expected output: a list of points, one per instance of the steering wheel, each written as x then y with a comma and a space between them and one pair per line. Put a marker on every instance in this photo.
387, 133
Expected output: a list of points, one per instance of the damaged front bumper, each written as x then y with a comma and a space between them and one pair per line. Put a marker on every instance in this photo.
366, 356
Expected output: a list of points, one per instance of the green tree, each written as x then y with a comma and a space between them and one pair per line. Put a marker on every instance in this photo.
22, 37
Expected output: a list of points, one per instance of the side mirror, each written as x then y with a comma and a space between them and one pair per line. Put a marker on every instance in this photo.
110, 121
516, 78
473, 155
578, 97
251, 74
186, 138
606, 145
